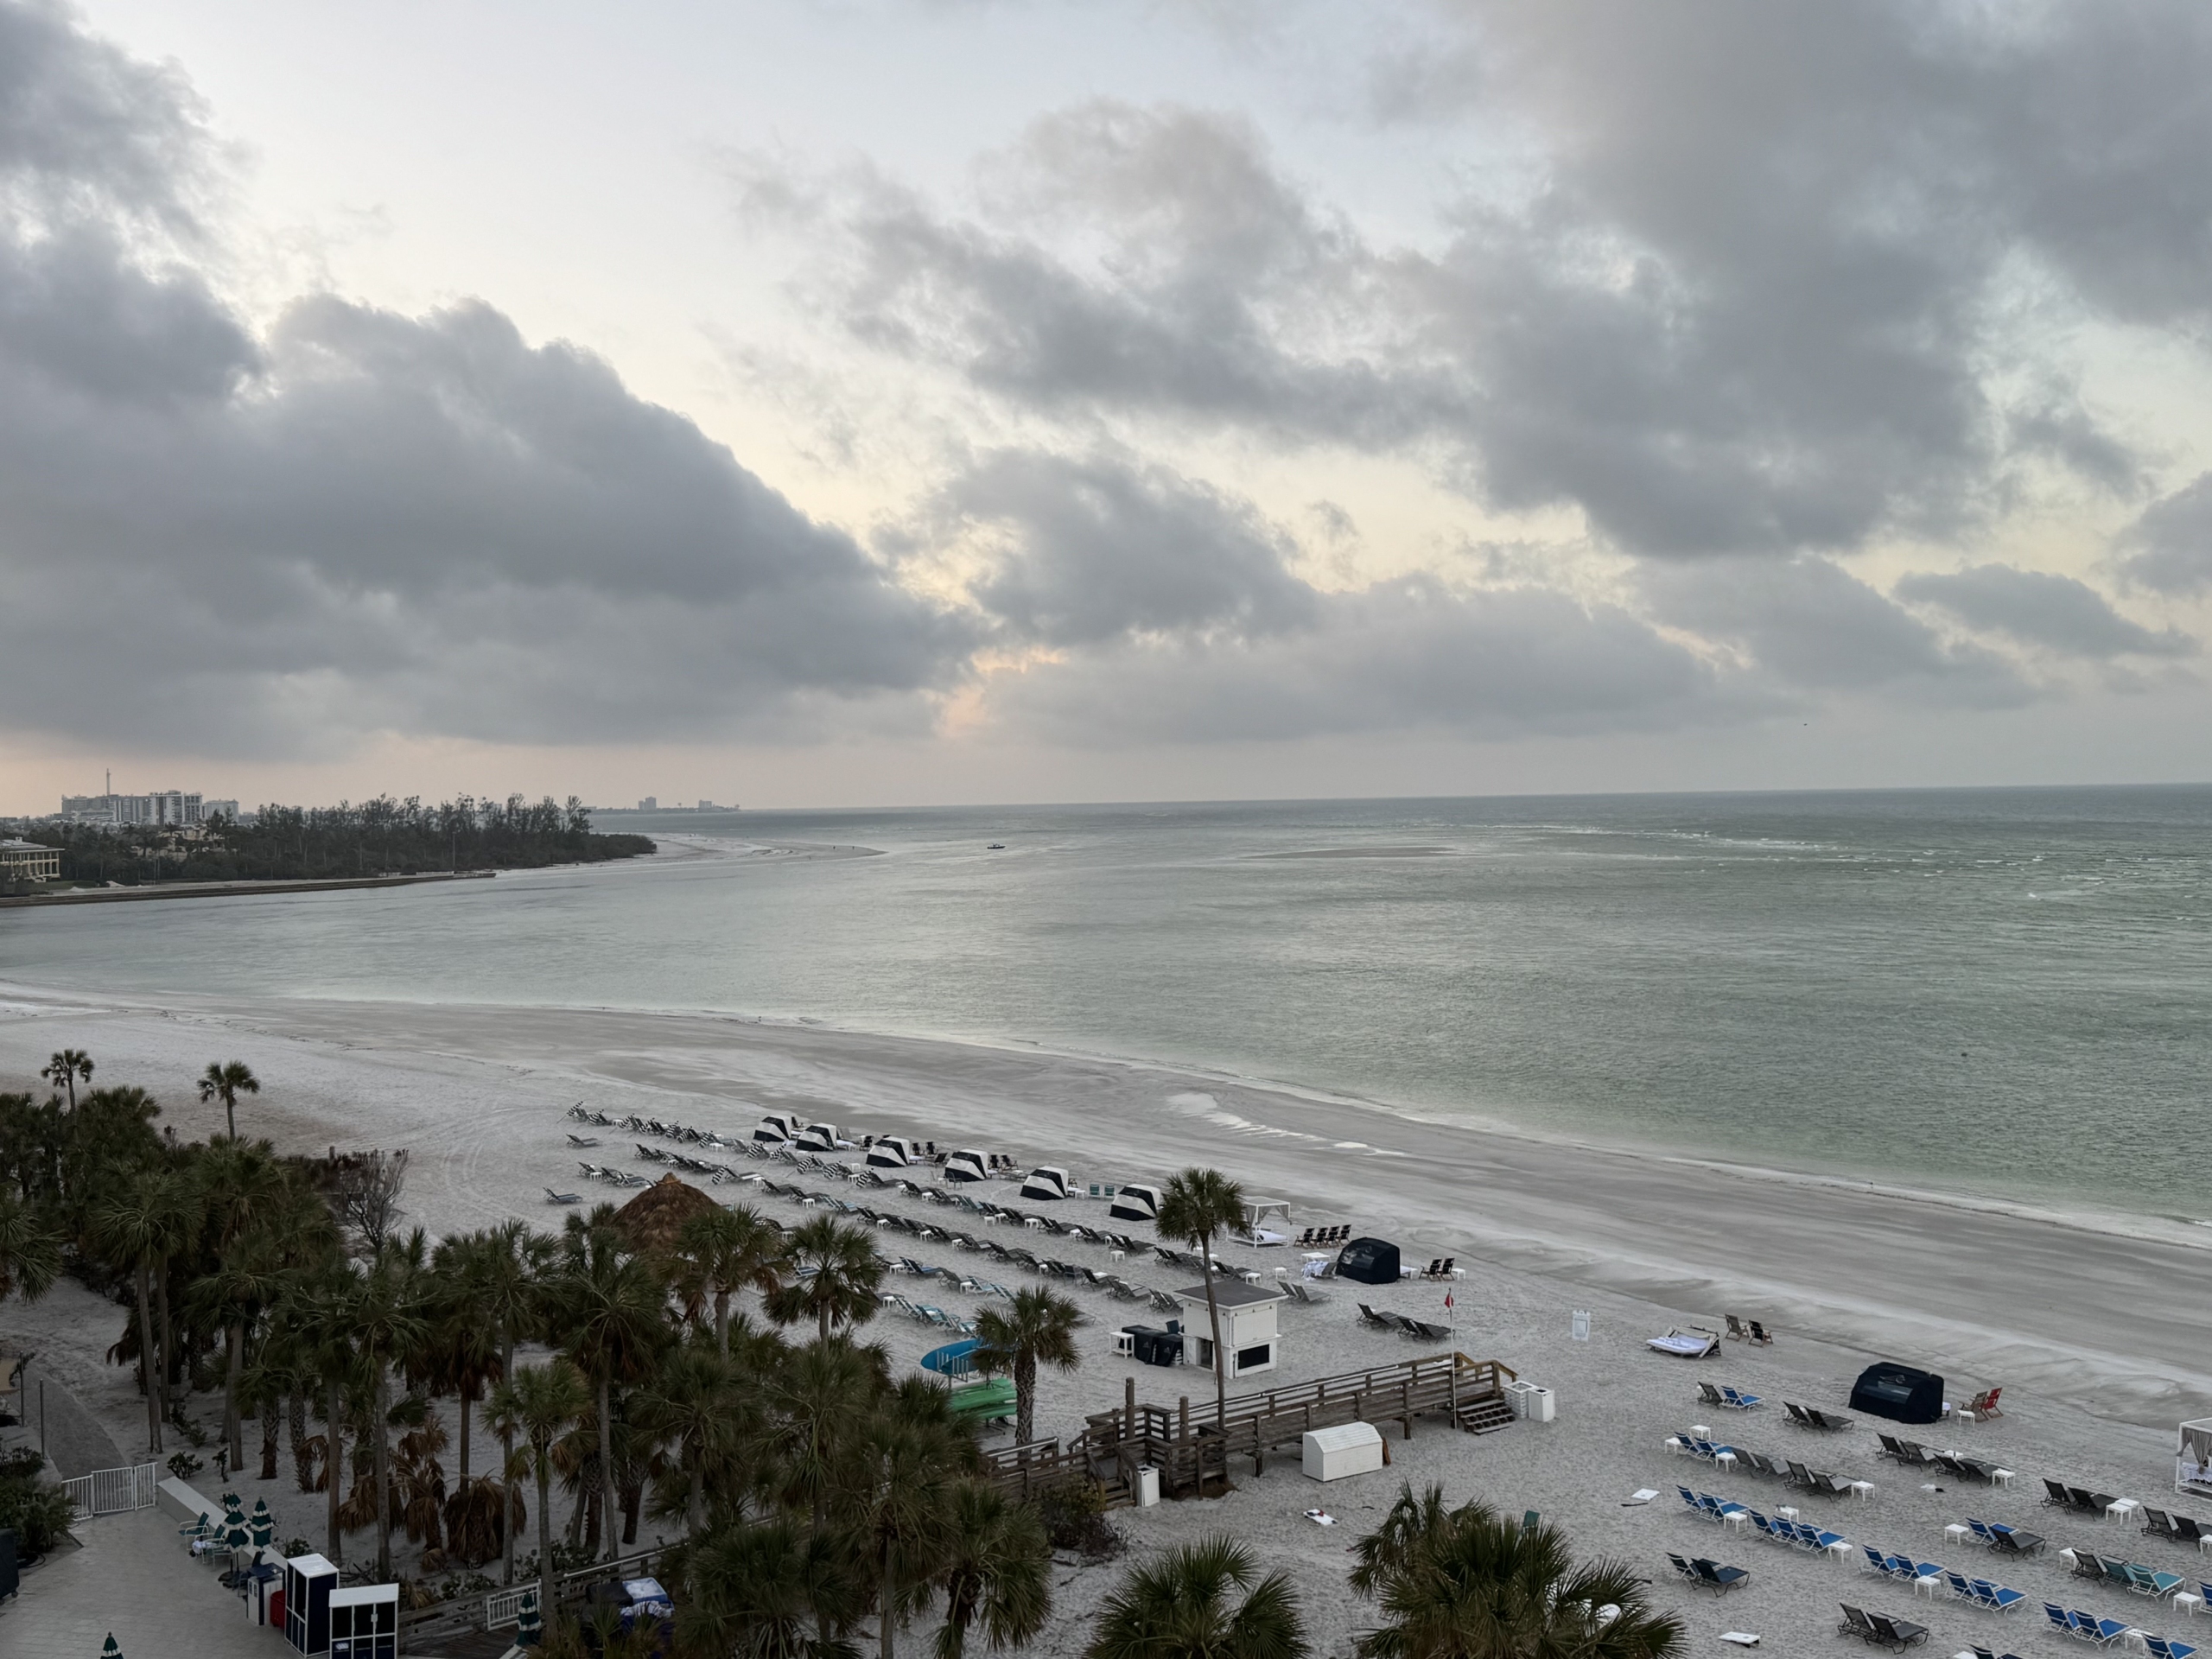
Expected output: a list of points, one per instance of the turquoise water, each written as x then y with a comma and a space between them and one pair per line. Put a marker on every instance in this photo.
2007, 991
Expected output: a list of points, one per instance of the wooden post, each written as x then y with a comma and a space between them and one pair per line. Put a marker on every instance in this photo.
1129, 1407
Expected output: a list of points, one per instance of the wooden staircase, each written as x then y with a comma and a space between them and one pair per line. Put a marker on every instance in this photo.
1485, 1416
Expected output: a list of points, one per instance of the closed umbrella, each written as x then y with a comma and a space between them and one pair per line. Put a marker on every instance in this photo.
263, 1524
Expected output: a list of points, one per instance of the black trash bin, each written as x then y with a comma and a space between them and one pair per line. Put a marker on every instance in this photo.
1898, 1393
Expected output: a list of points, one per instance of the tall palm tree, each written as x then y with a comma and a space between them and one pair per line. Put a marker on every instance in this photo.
1037, 1327
248, 1277
1471, 1584
30, 1251
505, 1271
768, 1591
225, 1082
699, 1399
719, 1252
817, 1401
898, 1504
391, 1318
319, 1318
135, 1228
996, 1570
462, 1355
538, 1402
65, 1068
611, 1310
1198, 1207
1179, 1607
834, 1274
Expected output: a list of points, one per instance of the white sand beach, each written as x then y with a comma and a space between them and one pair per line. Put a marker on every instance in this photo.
2091, 1324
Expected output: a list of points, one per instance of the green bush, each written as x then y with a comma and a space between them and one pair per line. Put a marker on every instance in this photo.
1073, 1514
38, 1512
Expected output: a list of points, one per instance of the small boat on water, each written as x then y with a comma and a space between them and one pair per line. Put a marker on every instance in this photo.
996, 846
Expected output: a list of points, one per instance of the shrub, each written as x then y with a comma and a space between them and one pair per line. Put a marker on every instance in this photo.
38, 1512
1073, 1514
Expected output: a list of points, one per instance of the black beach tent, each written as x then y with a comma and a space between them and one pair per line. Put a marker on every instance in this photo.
1369, 1262
1135, 1202
1898, 1393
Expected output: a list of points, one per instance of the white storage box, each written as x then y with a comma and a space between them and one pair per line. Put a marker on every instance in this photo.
1147, 1485
1517, 1395
1538, 1404
1347, 1449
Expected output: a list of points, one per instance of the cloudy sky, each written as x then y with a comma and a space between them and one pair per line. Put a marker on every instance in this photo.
857, 401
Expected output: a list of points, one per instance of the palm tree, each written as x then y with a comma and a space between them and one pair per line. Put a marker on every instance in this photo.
1471, 1584
248, 1277
226, 1083
137, 1228
319, 1318
505, 1273
1177, 1607
611, 1310
1198, 1207
768, 1591
31, 1252
897, 1505
722, 1251
538, 1402
65, 1068
696, 1399
1038, 1326
817, 1401
461, 1353
836, 1272
390, 1322
996, 1570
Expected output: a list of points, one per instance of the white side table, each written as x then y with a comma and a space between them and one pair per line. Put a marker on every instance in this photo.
1955, 1533
1931, 1586
1788, 1512
2119, 1509
1839, 1550
2000, 1476
1703, 1431
1737, 1518
1725, 1459
1862, 1490
2191, 1605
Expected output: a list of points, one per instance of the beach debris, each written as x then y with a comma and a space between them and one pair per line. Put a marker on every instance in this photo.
1321, 1518
1641, 1495
1741, 1638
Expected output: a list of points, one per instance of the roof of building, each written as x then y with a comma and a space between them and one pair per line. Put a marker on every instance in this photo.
651, 1220
15, 846
1234, 1293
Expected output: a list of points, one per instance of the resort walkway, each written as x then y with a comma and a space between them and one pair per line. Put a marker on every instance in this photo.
133, 1578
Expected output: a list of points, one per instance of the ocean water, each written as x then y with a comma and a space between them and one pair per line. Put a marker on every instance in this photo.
2001, 992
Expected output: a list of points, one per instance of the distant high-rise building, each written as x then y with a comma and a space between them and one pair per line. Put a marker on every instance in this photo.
163, 806
651, 804
219, 809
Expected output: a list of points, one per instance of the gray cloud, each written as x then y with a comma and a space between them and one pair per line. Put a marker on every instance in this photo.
1412, 655
1767, 283
1808, 625
1095, 549
2038, 608
367, 521
2171, 545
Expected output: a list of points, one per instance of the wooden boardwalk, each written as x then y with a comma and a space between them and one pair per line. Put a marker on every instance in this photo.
1191, 1451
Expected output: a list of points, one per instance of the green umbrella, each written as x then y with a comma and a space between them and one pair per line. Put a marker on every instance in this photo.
263, 1524
111, 1651
529, 1629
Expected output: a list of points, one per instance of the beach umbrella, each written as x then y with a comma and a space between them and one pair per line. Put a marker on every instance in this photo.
111, 1651
263, 1524
529, 1629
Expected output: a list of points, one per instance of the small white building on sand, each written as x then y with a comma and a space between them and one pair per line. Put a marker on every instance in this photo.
1249, 1328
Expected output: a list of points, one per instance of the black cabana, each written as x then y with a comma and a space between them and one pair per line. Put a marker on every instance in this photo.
1369, 1260
1898, 1393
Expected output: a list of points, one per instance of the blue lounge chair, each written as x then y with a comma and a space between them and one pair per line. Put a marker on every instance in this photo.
1689, 1500
1981, 1532
1738, 1402
1998, 1598
2145, 1582
1875, 1561
2057, 1615
2161, 1648
2102, 1631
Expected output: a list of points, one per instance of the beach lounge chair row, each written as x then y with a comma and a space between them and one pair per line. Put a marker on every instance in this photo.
2167, 1523
1315, 1238
1444, 1266
1814, 1417
1710, 1575
1728, 1398
926, 1313
1418, 1330
2006, 1540
1798, 1534
2089, 1627
1880, 1628
1994, 1598
1902, 1568
2140, 1580
1739, 1330
1707, 1507
616, 1177
1710, 1451
2079, 1499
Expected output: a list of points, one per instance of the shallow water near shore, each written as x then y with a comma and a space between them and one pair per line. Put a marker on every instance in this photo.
2005, 993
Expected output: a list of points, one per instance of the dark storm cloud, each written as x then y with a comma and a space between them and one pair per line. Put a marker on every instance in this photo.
1767, 284
2038, 608
365, 521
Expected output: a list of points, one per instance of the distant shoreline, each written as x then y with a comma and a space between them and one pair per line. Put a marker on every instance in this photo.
221, 889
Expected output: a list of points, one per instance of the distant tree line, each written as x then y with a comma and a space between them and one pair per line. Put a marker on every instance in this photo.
378, 837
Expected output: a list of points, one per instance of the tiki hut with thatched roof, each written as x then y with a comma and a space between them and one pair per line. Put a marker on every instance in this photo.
650, 1222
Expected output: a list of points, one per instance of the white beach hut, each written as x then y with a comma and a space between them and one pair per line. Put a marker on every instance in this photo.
819, 1137
967, 1164
1136, 1203
1249, 1330
1258, 1212
890, 1152
2193, 1458
1046, 1182
1345, 1449
777, 1127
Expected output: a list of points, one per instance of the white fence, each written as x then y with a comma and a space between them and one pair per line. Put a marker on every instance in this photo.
111, 1491
505, 1607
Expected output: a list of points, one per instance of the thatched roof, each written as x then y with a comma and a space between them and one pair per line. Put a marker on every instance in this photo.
650, 1222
